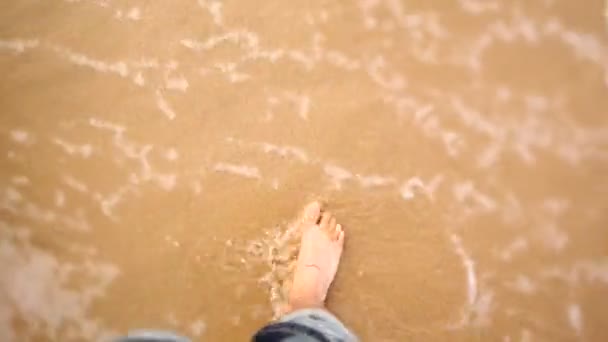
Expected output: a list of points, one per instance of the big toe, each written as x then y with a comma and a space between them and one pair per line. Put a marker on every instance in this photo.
311, 213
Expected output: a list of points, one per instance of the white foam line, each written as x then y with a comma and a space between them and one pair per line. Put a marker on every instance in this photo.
164, 106
239, 170
100, 3
84, 150
519, 26
109, 202
214, 7
19, 45
337, 174
134, 13
285, 151
490, 155
368, 8
37, 213
166, 181
479, 6
240, 37
177, 83
250, 42
136, 152
409, 188
78, 223
230, 70
570, 143
467, 190
75, 184
429, 123
301, 102
146, 63
139, 79
339, 59
469, 266
453, 142
591, 272
524, 285
102, 124
374, 180
475, 120
388, 79
515, 247
423, 112
118, 68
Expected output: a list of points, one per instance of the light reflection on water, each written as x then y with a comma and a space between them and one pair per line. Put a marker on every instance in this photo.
155, 155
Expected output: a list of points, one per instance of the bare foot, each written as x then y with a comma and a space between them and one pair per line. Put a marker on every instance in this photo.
320, 251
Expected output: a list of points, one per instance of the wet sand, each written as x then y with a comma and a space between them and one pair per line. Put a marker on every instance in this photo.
154, 155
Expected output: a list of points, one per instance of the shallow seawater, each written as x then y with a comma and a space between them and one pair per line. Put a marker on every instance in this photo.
155, 155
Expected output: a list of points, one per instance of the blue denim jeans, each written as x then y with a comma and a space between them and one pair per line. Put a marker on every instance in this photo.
308, 325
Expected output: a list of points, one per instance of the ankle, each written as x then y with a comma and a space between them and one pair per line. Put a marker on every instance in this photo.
305, 300
296, 304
